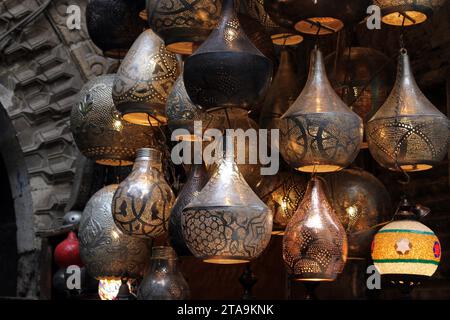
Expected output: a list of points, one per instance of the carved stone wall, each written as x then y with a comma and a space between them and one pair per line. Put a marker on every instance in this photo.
43, 65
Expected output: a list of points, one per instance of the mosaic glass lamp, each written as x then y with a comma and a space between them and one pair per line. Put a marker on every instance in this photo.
407, 12
322, 133
227, 223
142, 203
315, 242
144, 80
406, 250
408, 133
99, 131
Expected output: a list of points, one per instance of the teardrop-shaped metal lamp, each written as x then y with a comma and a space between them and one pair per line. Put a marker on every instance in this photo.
227, 223
197, 179
227, 70
306, 16
322, 133
144, 80
408, 133
407, 12
315, 243
114, 25
279, 35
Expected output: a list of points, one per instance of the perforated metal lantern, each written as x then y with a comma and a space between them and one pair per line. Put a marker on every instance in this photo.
144, 80
183, 25
106, 252
304, 16
279, 35
407, 133
98, 129
142, 203
315, 243
227, 70
407, 12
322, 133
113, 25
362, 203
363, 77
198, 177
227, 223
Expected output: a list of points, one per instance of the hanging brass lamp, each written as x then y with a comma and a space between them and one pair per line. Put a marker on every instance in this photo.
144, 80
363, 77
322, 133
227, 223
362, 203
106, 252
198, 177
113, 25
315, 243
227, 70
142, 203
183, 25
99, 131
282, 93
407, 12
279, 35
408, 133
307, 16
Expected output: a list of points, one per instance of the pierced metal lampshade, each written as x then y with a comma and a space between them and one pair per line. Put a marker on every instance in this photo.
227, 223
142, 203
315, 243
322, 133
197, 179
113, 25
408, 133
362, 203
144, 80
106, 252
282, 193
407, 12
406, 249
98, 129
280, 36
282, 93
227, 70
183, 25
363, 77
304, 16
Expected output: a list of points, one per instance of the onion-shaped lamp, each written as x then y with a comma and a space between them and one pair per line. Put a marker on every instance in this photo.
227, 70
142, 203
322, 133
315, 243
67, 253
407, 12
144, 80
362, 203
279, 35
407, 133
406, 251
113, 25
363, 77
183, 25
305, 16
106, 252
227, 223
99, 131
164, 281
282, 193
197, 179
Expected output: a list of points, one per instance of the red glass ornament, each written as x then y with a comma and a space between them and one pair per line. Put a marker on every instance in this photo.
67, 253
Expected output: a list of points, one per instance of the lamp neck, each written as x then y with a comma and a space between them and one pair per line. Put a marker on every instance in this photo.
147, 158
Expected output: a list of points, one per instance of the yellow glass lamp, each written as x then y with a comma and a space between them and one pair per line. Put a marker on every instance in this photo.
407, 12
